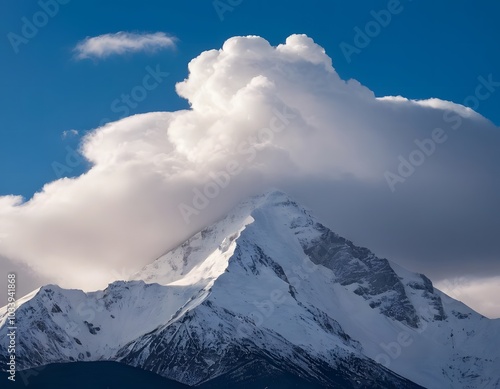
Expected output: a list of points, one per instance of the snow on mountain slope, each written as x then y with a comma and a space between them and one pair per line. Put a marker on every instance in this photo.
272, 285
59, 325
353, 286
208, 343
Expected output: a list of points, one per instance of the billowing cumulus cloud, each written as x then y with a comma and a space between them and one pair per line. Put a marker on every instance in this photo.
413, 180
105, 45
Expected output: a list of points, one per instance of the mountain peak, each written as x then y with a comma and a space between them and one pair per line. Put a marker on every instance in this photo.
270, 198
273, 196
268, 285
205, 255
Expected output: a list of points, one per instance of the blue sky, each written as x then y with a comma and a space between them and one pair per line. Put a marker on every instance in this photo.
430, 49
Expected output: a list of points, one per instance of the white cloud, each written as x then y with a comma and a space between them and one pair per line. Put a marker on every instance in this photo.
105, 45
332, 156
69, 133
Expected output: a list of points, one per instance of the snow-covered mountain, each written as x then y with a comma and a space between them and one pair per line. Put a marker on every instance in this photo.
267, 291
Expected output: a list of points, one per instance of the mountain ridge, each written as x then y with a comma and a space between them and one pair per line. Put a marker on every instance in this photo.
270, 281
